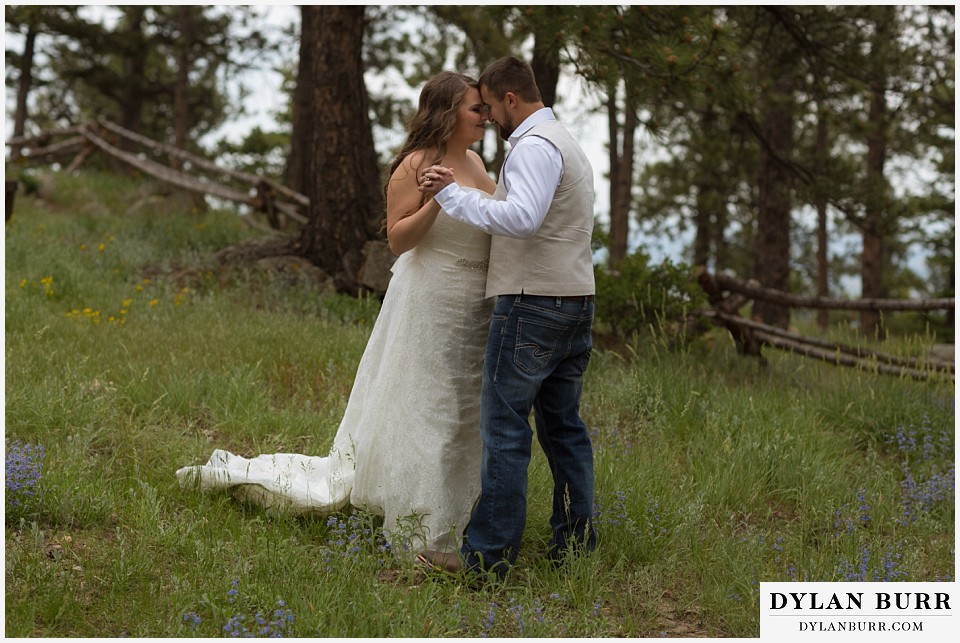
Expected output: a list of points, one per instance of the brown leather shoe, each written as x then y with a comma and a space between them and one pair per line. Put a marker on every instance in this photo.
440, 561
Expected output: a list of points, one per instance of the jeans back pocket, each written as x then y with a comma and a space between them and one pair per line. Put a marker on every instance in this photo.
536, 344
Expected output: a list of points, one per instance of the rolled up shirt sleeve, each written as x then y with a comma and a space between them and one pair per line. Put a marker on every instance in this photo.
532, 171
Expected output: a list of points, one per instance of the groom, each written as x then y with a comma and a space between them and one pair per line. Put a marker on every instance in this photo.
541, 271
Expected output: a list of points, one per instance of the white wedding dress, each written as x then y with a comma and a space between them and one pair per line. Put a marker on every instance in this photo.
408, 447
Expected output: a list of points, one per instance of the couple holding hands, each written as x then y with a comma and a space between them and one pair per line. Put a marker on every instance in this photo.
487, 317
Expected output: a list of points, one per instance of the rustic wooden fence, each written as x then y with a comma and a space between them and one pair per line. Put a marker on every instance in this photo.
728, 294
190, 172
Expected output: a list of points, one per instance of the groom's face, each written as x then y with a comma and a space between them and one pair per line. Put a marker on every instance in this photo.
497, 112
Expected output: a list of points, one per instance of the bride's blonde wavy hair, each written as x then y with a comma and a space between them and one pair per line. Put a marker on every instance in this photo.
436, 116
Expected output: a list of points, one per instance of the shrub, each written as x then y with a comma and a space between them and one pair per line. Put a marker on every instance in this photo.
636, 297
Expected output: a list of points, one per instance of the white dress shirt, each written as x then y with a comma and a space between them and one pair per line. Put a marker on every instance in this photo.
530, 174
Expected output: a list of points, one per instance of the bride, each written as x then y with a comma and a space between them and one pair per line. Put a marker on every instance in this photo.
408, 447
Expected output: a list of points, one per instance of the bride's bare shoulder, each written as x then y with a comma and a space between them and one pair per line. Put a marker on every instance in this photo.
483, 180
417, 160
410, 167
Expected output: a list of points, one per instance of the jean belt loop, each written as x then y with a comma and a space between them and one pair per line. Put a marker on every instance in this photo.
559, 303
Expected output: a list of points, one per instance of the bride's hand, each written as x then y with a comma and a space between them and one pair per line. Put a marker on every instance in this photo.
435, 178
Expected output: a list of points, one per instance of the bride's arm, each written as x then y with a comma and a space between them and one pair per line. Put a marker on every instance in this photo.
408, 221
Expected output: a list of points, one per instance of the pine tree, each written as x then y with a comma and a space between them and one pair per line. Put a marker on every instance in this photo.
346, 205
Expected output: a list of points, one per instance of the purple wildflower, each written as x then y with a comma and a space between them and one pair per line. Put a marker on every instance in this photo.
23, 467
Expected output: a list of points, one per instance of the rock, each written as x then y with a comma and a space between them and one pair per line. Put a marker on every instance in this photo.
378, 260
296, 270
942, 351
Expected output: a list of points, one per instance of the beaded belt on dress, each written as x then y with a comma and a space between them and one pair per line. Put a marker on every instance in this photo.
482, 265
432, 254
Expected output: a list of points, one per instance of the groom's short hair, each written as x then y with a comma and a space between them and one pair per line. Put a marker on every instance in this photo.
509, 74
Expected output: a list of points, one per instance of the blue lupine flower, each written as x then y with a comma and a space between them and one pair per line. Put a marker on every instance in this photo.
864, 507
23, 468
538, 610
489, 619
841, 524
517, 610
235, 627
925, 494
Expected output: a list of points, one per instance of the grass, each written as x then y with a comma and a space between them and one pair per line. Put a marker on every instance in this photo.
129, 353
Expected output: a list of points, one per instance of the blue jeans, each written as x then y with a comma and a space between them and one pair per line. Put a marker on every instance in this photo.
537, 352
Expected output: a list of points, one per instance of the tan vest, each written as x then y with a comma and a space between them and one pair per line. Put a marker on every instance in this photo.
557, 260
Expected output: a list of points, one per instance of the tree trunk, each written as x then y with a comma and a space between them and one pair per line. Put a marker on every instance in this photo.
872, 279
709, 214
721, 249
823, 265
625, 180
135, 64
181, 90
621, 173
546, 63
296, 173
772, 244
346, 204
873, 227
23, 89
613, 155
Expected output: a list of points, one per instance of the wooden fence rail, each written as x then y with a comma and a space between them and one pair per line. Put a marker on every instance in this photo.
755, 291
260, 193
750, 336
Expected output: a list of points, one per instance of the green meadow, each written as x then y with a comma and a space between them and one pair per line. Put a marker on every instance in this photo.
130, 352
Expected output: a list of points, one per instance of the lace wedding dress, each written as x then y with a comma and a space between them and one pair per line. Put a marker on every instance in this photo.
408, 447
